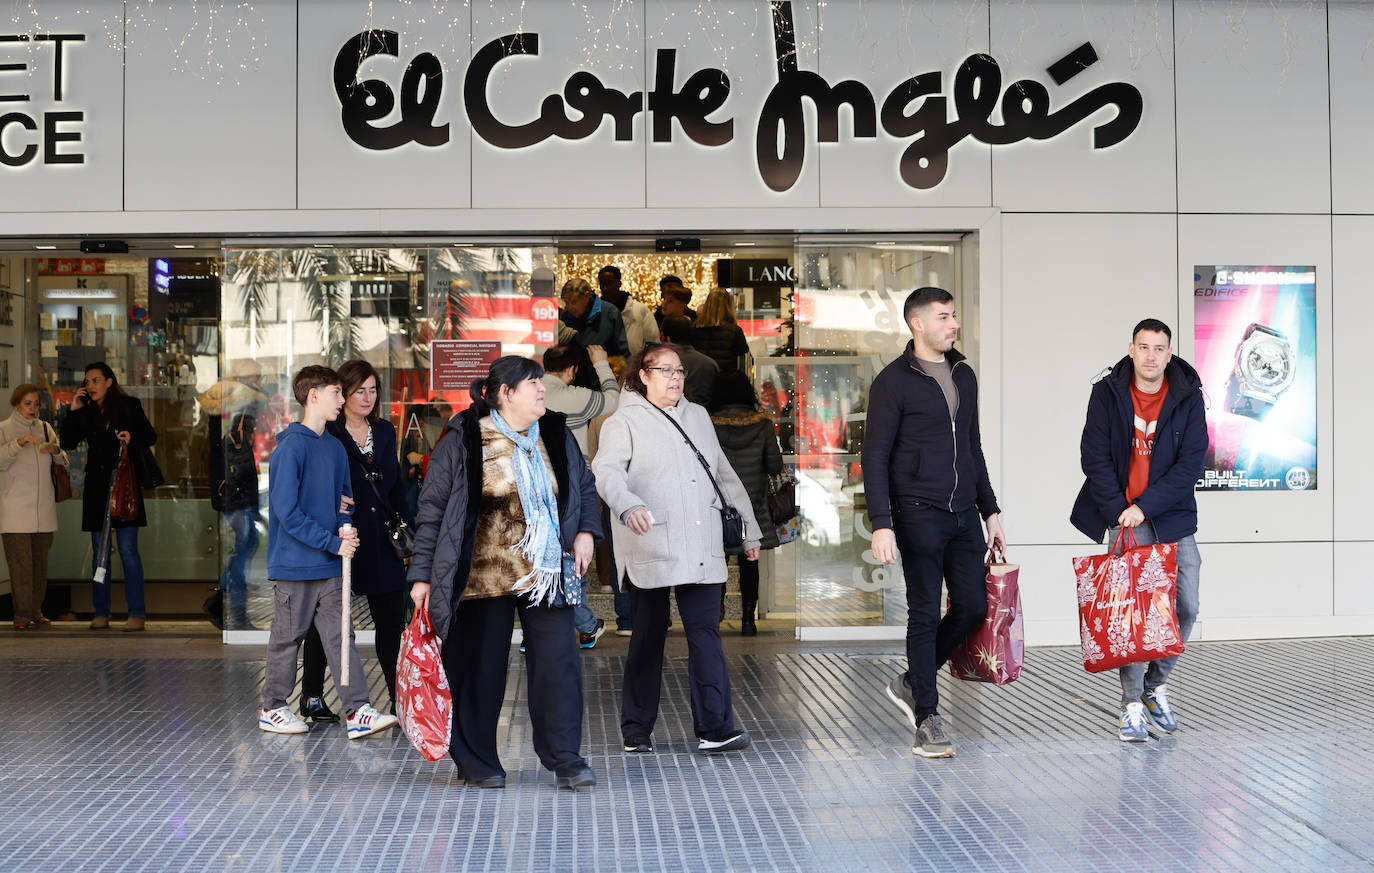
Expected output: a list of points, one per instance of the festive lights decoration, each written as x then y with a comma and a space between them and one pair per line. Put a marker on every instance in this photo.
639, 274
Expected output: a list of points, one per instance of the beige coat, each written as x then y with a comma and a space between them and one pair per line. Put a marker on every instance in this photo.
641, 460
26, 496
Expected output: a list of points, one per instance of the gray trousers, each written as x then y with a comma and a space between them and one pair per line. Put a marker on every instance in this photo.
1137, 678
298, 605
27, 556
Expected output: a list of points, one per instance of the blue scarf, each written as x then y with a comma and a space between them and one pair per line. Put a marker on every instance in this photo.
541, 544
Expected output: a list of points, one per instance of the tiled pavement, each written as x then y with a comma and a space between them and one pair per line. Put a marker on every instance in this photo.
144, 755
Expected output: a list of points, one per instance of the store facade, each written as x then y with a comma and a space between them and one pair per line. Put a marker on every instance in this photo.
363, 180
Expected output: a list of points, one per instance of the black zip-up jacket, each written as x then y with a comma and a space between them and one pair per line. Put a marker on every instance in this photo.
913, 452
1180, 448
451, 501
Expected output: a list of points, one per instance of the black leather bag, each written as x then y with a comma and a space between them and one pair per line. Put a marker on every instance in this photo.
731, 522
398, 534
146, 470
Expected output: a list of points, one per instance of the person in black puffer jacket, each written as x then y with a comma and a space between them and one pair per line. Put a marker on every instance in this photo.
750, 441
715, 333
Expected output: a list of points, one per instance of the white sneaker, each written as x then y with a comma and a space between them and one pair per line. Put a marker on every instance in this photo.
281, 721
366, 721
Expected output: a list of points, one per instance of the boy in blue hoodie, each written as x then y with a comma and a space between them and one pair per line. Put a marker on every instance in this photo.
308, 478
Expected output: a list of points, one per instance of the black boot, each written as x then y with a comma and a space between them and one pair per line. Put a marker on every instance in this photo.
749, 598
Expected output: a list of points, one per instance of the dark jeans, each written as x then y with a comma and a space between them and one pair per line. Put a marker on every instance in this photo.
388, 617
699, 607
125, 540
234, 580
475, 658
938, 546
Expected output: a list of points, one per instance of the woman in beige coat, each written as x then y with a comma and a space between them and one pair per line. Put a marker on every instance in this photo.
666, 523
28, 510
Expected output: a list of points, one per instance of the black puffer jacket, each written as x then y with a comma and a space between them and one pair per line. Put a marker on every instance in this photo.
725, 344
750, 442
451, 501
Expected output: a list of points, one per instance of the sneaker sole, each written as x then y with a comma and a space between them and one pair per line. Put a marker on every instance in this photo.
282, 729
922, 752
731, 745
901, 704
359, 733
578, 782
1156, 722
638, 750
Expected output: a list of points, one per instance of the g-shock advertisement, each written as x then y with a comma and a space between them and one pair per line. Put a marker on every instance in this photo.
1255, 346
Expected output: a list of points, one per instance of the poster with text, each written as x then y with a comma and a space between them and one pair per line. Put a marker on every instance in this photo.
1255, 342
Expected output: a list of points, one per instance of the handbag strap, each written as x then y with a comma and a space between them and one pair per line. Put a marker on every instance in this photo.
386, 504
707, 467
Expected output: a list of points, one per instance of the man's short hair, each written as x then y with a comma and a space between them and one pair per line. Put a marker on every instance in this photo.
924, 297
609, 268
680, 293
669, 281
678, 329
559, 358
576, 289
1153, 324
314, 376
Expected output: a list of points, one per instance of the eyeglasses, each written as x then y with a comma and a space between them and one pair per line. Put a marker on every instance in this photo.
670, 372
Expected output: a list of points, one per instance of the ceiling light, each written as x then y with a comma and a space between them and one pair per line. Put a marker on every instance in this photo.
885, 244
462, 245
746, 244
182, 246
46, 248
603, 245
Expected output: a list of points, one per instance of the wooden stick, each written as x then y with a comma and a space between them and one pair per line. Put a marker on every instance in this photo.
346, 619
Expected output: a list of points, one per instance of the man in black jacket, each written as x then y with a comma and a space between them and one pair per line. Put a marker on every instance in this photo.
1143, 447
926, 484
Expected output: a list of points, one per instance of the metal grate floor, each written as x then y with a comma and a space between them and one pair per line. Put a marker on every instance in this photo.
155, 764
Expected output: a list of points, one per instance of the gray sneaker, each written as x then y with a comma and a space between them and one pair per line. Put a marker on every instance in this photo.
1133, 724
900, 693
931, 739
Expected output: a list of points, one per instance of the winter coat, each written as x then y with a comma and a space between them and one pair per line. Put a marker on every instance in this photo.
642, 461
702, 372
912, 451
27, 503
376, 569
234, 469
725, 344
1176, 460
640, 325
602, 325
103, 453
451, 501
306, 477
750, 442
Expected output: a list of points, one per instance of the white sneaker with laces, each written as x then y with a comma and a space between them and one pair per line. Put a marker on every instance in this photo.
281, 721
1133, 724
366, 721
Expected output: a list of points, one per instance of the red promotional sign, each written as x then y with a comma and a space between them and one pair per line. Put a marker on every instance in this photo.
455, 364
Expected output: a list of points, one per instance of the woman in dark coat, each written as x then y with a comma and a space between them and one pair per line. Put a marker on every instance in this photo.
750, 442
374, 465
508, 476
104, 417
716, 334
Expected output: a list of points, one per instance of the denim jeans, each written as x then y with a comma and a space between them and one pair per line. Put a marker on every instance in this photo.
126, 539
234, 581
621, 600
1136, 679
583, 617
938, 546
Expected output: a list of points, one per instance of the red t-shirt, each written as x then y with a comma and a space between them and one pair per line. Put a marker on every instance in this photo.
1147, 408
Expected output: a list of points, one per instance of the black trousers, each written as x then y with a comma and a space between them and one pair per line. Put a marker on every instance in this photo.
748, 586
475, 658
389, 618
938, 546
699, 607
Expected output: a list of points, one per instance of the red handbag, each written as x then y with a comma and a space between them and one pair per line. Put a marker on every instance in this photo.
996, 649
124, 495
1126, 604
424, 704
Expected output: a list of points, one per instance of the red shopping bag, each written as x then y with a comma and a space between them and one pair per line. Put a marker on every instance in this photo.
1126, 604
124, 494
996, 649
424, 704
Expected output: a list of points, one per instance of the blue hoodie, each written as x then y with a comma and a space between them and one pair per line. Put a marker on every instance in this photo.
306, 475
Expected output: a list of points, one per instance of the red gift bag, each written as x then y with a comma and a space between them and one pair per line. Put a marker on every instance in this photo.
424, 704
995, 651
124, 494
1126, 604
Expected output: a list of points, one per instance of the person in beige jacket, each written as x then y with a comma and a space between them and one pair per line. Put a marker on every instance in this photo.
666, 522
28, 510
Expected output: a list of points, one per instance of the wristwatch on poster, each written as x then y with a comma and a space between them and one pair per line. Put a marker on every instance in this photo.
1265, 366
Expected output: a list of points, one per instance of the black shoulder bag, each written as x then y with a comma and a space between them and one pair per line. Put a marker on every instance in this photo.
398, 534
731, 523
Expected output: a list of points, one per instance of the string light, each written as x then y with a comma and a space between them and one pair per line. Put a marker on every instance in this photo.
639, 274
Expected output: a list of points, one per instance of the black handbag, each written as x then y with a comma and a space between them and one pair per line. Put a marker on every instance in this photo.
146, 470
782, 496
398, 534
731, 522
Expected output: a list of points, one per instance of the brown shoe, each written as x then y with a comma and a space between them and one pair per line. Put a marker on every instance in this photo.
21, 625
41, 620
100, 622
133, 623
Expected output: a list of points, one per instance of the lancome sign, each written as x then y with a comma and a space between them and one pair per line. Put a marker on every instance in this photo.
918, 110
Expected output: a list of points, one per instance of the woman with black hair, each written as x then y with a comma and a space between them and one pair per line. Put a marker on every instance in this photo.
507, 523
750, 442
105, 417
